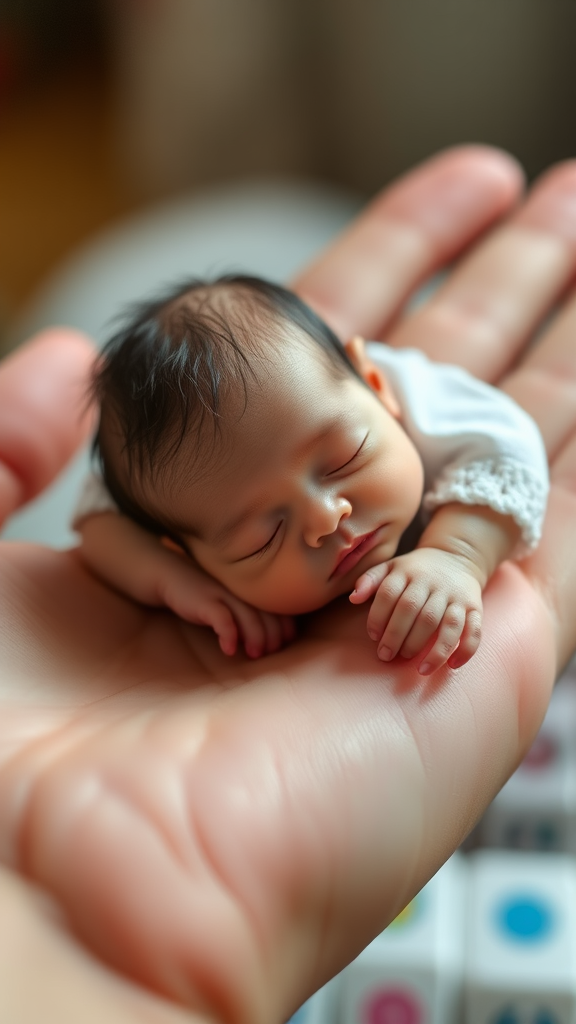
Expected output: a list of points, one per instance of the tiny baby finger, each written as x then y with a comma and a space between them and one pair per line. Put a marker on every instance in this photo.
426, 624
469, 640
448, 636
273, 632
367, 584
251, 627
384, 603
401, 621
220, 618
288, 628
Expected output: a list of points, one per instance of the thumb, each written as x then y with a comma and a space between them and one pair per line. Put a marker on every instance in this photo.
44, 414
367, 584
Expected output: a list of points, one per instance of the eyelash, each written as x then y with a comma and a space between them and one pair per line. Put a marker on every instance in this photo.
266, 546
343, 466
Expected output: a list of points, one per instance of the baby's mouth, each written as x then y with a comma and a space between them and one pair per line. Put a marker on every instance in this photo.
351, 555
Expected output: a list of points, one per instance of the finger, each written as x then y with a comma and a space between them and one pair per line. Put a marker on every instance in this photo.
130, 829
545, 382
469, 641
43, 412
402, 620
251, 626
220, 618
384, 603
368, 583
288, 625
552, 567
448, 636
424, 627
408, 232
70, 983
491, 304
272, 632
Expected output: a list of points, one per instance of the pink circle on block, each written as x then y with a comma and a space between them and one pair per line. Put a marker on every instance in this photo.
392, 1006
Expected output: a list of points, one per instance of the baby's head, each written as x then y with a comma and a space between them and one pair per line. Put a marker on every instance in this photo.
234, 421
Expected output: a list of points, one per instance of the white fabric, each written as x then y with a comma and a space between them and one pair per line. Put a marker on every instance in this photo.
477, 446
94, 498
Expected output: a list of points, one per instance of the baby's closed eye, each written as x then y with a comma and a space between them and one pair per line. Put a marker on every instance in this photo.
264, 547
350, 460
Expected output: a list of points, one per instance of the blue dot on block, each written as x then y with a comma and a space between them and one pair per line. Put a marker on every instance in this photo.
525, 918
506, 1017
546, 1017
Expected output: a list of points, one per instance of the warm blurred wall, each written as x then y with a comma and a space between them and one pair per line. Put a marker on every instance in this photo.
60, 179
354, 92
105, 104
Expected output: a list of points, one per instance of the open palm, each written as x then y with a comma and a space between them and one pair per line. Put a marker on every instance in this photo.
189, 836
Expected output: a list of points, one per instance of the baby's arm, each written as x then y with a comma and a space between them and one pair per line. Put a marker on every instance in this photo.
437, 588
138, 564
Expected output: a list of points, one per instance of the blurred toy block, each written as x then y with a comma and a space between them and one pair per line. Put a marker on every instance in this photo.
411, 973
536, 809
520, 965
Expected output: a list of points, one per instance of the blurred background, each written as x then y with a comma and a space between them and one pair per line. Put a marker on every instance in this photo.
106, 107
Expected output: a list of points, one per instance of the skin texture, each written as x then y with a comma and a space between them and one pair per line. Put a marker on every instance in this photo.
181, 829
340, 467
309, 480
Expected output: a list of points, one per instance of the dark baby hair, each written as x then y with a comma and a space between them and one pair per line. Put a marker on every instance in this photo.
171, 364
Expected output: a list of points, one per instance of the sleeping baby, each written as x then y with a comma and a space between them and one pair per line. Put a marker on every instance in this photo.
253, 468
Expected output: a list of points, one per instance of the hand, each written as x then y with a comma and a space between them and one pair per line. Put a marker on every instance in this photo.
178, 828
419, 594
198, 598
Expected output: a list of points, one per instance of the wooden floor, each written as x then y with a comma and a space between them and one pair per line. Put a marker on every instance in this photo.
59, 179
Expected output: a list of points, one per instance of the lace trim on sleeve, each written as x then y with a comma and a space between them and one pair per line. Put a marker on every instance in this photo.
508, 487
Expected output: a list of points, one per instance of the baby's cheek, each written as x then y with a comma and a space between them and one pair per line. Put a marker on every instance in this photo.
287, 591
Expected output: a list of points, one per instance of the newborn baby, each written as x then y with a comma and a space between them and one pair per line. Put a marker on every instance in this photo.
254, 468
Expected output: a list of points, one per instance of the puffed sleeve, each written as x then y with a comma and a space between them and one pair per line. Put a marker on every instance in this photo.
478, 447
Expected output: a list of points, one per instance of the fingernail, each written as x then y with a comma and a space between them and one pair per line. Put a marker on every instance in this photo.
373, 633
384, 653
425, 669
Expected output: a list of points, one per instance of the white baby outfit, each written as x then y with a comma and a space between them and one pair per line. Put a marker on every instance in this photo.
477, 446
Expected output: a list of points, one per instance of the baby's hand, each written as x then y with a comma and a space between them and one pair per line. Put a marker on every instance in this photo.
198, 598
418, 594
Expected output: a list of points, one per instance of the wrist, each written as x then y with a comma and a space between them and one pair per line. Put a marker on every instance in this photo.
477, 535
465, 558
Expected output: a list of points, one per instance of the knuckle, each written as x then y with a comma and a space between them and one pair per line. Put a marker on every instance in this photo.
453, 620
394, 581
475, 632
443, 649
387, 592
409, 602
394, 636
429, 617
375, 574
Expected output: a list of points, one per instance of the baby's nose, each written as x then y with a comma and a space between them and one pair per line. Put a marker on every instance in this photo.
323, 519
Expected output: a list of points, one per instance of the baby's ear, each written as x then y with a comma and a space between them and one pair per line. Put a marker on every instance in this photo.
372, 374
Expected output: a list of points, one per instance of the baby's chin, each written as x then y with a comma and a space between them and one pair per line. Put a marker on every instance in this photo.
306, 603
330, 590
303, 604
